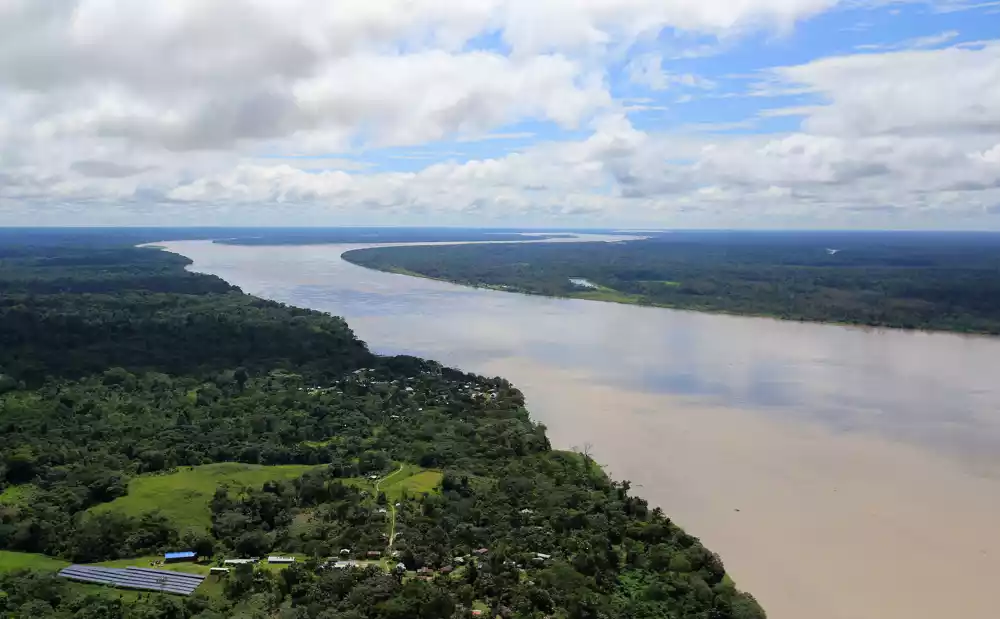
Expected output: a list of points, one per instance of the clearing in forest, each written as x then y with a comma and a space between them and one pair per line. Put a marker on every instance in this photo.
17, 495
183, 496
411, 480
11, 561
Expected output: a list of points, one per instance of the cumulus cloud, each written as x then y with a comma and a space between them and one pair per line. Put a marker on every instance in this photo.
946, 91
170, 105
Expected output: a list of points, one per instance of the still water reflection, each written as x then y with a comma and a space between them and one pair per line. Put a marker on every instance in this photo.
842, 473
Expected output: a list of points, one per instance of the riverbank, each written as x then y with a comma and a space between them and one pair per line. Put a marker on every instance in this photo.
912, 283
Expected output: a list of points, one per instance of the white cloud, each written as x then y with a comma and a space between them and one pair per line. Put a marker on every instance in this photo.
143, 106
948, 91
933, 40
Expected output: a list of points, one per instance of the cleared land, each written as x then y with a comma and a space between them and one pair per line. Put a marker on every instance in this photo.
11, 561
17, 495
410, 479
184, 495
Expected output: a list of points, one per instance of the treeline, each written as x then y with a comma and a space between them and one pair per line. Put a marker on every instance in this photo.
937, 281
116, 363
28, 241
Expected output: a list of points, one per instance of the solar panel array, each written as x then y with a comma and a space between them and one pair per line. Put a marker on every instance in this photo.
135, 578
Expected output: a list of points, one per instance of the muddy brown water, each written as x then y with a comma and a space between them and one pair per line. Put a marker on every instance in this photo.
842, 473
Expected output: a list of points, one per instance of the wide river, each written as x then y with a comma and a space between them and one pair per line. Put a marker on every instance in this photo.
842, 473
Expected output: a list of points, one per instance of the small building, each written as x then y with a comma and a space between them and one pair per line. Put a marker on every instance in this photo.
425, 571
374, 554
459, 560
345, 552
477, 613
446, 570
178, 557
219, 571
280, 560
239, 561
343, 565
481, 551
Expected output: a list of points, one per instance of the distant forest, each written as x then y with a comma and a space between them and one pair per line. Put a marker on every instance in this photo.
103, 238
913, 280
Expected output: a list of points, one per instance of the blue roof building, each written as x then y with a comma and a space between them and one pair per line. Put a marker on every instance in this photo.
186, 555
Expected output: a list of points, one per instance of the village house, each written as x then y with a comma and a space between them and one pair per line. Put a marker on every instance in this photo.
276, 559
343, 565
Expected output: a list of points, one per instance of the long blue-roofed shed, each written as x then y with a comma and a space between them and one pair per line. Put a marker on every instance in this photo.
175, 557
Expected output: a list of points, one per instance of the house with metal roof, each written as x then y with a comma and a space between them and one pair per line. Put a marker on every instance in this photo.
176, 557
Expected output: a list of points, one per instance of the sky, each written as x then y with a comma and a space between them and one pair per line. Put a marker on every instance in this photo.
537, 113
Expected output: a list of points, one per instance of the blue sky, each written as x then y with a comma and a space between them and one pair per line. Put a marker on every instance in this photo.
732, 67
654, 113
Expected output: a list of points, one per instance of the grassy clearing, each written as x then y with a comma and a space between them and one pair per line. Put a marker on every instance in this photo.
422, 483
277, 567
11, 561
17, 495
184, 495
607, 294
189, 568
129, 596
410, 479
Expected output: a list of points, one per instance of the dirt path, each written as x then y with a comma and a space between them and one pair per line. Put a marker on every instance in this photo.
392, 509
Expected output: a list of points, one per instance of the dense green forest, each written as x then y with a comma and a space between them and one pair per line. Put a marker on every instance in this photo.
943, 281
122, 375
